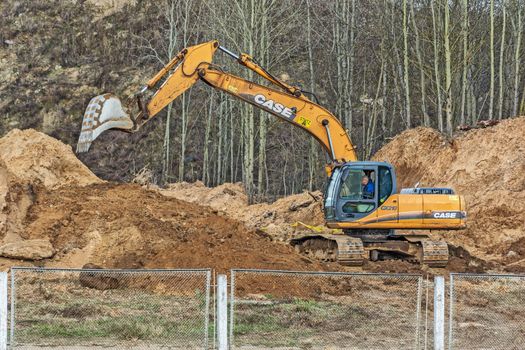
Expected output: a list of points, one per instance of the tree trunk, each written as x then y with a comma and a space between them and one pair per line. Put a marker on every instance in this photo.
518, 30
422, 82
183, 134
405, 64
437, 77
206, 156
166, 159
501, 57
448, 71
464, 32
349, 112
313, 147
491, 92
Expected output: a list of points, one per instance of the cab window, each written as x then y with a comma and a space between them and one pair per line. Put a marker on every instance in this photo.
358, 184
358, 190
385, 184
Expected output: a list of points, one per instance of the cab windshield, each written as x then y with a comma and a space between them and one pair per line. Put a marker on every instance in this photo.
357, 184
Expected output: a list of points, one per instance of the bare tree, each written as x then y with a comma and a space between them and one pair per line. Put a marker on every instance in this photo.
437, 77
422, 80
501, 58
405, 65
518, 29
464, 32
492, 72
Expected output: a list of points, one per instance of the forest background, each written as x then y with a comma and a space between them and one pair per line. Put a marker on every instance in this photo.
381, 66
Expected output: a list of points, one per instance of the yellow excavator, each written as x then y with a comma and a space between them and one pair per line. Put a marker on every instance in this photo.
361, 197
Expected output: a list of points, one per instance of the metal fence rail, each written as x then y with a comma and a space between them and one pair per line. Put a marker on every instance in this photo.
487, 312
115, 309
292, 310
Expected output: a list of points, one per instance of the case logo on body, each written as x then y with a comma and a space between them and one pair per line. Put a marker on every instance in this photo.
448, 214
286, 112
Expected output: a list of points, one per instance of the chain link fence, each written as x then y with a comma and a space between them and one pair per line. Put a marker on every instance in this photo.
309, 310
110, 309
487, 312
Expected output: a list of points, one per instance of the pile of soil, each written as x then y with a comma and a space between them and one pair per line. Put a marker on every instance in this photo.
127, 226
50, 199
487, 167
48, 195
30, 160
34, 158
281, 219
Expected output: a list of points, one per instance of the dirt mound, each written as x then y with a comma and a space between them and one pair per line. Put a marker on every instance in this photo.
30, 160
48, 195
487, 166
33, 157
227, 197
278, 219
126, 226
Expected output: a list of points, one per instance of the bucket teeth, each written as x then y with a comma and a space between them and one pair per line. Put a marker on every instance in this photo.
103, 112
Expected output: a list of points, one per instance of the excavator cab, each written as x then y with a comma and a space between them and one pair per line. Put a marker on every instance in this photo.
357, 189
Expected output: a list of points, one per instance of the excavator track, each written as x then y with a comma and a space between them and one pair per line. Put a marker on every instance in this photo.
350, 251
353, 251
434, 253
345, 250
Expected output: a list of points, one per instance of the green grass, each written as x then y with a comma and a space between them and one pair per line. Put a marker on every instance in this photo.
105, 317
121, 328
303, 322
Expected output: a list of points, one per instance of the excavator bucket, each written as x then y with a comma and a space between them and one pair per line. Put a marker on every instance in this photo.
104, 112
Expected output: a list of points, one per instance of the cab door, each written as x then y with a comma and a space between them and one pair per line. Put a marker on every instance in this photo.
388, 202
354, 199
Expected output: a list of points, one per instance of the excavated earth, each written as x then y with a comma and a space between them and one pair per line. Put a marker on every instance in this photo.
487, 166
48, 195
55, 212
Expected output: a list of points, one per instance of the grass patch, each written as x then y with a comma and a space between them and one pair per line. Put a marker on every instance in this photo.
121, 328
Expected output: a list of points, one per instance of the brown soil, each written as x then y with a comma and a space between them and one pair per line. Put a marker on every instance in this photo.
126, 226
47, 193
37, 159
487, 166
280, 219
31, 160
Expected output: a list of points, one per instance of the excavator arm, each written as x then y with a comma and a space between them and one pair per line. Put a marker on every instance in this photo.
195, 63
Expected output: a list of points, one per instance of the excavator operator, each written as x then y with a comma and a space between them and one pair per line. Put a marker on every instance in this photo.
368, 187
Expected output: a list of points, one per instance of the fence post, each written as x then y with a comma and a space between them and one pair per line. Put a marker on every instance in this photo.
3, 310
439, 313
222, 312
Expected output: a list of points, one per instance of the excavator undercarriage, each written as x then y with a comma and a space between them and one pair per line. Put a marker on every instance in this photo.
373, 245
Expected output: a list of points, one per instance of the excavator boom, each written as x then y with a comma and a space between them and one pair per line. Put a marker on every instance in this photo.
195, 63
